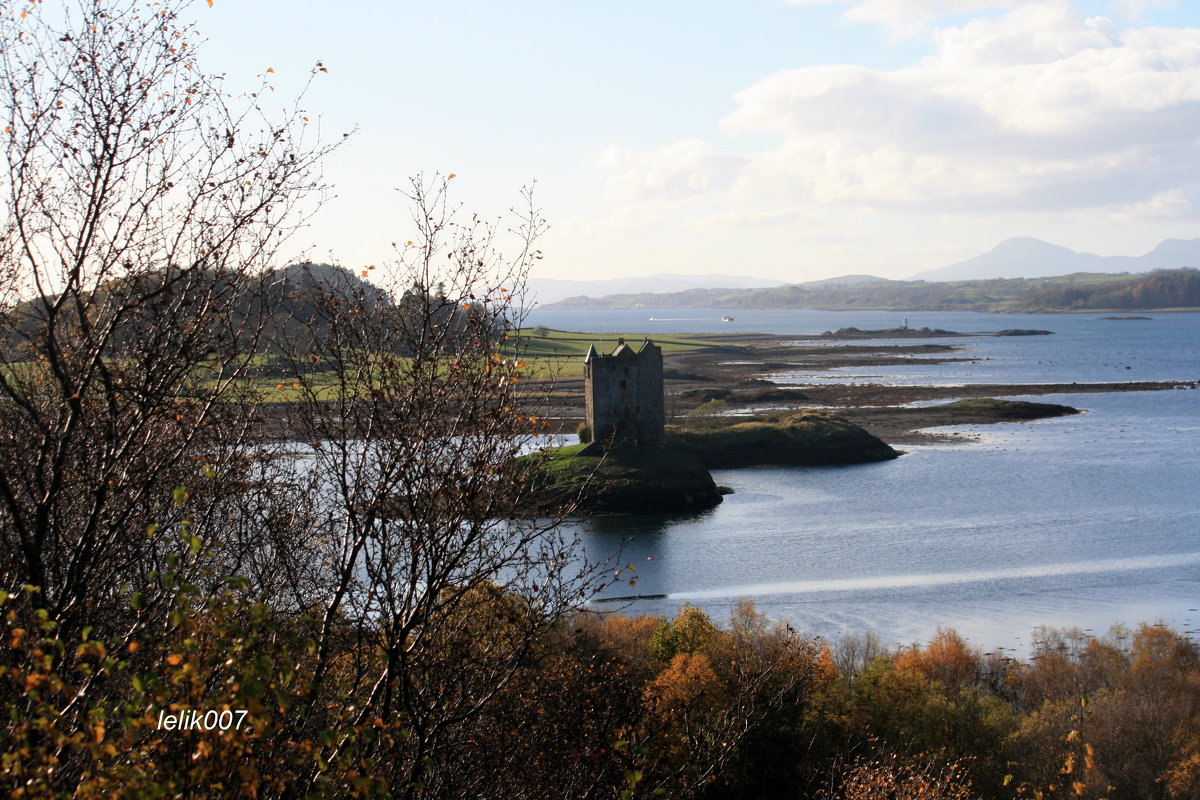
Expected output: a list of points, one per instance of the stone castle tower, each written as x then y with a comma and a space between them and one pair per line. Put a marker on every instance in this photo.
624, 392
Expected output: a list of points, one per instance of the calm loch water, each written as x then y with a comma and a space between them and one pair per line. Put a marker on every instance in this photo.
1087, 521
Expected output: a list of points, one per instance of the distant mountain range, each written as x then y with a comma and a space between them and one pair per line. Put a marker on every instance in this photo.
1159, 289
1025, 257
551, 290
1021, 266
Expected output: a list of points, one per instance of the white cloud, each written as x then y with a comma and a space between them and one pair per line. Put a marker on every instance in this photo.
673, 172
912, 17
1036, 109
1134, 9
1169, 206
742, 218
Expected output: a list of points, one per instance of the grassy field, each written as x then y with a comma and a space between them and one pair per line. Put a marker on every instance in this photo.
553, 354
547, 354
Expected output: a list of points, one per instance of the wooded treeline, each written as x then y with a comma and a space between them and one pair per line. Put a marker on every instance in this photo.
1161, 289
600, 706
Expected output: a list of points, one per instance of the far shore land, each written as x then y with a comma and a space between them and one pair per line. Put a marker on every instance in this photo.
710, 377
743, 364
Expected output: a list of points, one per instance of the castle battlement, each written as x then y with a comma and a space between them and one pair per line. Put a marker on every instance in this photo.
624, 393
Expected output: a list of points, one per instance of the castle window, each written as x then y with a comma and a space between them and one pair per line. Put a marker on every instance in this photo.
622, 384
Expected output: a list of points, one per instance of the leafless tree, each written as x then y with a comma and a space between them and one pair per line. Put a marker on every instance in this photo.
139, 204
413, 421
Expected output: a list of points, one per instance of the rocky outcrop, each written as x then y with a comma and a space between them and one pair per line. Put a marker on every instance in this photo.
989, 409
587, 479
800, 438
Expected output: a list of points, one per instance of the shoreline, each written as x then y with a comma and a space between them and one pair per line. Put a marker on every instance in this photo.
742, 366
737, 370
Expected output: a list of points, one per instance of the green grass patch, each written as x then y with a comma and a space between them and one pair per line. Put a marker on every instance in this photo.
547, 355
553, 354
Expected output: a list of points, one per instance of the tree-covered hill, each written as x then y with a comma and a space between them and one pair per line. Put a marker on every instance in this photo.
280, 309
1160, 289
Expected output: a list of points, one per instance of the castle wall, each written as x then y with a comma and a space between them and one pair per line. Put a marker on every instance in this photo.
651, 413
624, 395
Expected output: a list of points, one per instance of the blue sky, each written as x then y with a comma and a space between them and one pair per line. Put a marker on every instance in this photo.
791, 140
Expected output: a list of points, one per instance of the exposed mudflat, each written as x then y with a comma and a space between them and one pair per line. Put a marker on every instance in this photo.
734, 377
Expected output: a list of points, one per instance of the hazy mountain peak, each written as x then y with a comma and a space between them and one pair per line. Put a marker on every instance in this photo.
1027, 257
1021, 245
1173, 246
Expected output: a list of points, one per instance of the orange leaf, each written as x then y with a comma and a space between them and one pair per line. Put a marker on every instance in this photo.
174, 659
451, 175
210, 3
270, 69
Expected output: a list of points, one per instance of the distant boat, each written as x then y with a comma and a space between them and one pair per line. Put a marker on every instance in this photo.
726, 318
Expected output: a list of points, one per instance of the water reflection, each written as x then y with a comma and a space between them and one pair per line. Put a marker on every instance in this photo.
1085, 520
